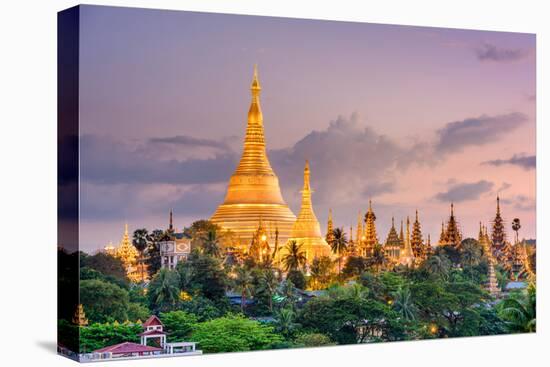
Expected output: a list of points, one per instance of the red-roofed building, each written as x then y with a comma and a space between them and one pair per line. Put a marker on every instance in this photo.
153, 329
126, 349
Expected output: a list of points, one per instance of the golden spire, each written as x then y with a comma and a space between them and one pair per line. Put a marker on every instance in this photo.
360, 235
253, 188
330, 228
79, 317
306, 229
407, 256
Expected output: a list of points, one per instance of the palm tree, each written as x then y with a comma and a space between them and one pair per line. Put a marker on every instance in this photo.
164, 289
378, 258
294, 258
211, 243
438, 265
516, 225
339, 246
285, 322
403, 304
140, 240
521, 313
243, 284
268, 285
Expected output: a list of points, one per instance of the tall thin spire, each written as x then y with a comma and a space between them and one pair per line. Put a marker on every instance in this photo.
359, 235
330, 228
171, 224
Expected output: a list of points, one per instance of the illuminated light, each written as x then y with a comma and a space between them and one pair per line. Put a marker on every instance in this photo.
264, 237
433, 329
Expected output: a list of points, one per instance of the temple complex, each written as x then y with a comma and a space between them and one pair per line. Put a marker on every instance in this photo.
253, 189
306, 230
129, 255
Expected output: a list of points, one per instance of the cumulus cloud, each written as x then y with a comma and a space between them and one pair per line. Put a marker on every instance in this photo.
465, 191
348, 161
455, 136
490, 52
527, 162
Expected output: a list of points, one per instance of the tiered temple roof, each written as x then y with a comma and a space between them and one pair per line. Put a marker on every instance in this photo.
498, 235
393, 244
417, 243
451, 235
407, 255
371, 238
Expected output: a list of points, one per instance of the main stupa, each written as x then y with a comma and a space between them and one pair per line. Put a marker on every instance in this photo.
253, 193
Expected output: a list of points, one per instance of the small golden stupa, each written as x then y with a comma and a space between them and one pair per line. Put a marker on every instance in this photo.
253, 191
306, 230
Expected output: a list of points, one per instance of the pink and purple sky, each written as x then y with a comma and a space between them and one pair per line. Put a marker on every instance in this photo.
410, 117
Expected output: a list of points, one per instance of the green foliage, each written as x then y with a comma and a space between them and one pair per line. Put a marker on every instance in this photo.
294, 257
312, 340
137, 311
178, 324
284, 322
520, 311
265, 288
87, 273
163, 291
103, 301
205, 309
321, 272
297, 278
354, 266
203, 275
98, 336
234, 334
105, 264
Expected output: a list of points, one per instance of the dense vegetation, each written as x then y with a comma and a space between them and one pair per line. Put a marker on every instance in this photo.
359, 301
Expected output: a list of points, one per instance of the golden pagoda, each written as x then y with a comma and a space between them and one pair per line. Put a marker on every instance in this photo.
406, 257
126, 251
79, 317
306, 230
393, 244
371, 239
253, 189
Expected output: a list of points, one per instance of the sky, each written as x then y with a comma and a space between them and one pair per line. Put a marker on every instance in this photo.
408, 117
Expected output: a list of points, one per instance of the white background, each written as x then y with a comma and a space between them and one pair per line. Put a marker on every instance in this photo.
28, 181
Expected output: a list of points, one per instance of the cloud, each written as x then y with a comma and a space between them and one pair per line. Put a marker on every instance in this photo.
465, 191
109, 161
521, 202
527, 162
489, 52
456, 136
349, 162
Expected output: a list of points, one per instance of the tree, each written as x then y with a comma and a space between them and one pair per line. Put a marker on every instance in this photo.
339, 246
297, 278
140, 240
106, 264
103, 301
243, 284
294, 257
210, 243
97, 336
137, 311
284, 322
438, 265
470, 252
403, 304
203, 275
153, 251
378, 259
203, 308
267, 286
520, 311
354, 266
321, 272
313, 340
178, 324
163, 291
234, 334
516, 226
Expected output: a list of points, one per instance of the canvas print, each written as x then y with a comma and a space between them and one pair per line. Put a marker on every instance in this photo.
233, 183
